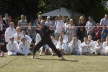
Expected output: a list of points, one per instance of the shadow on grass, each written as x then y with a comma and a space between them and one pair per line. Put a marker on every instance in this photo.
56, 60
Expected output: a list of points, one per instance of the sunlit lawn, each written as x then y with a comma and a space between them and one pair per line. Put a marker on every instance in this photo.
53, 64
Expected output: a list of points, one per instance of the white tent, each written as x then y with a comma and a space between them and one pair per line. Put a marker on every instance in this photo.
61, 12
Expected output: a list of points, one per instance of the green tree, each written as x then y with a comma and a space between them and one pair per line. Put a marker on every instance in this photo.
87, 7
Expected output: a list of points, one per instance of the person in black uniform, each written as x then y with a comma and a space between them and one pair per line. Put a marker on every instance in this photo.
45, 33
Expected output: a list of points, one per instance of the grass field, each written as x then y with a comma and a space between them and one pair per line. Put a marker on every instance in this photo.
53, 64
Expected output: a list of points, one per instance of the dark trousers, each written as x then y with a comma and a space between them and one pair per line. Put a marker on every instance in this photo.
50, 44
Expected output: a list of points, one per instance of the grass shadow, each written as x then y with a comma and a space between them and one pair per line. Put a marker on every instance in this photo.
44, 59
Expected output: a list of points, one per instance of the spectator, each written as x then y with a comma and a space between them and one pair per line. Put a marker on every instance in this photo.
84, 47
6, 20
23, 47
104, 21
81, 31
48, 22
65, 42
75, 46
10, 31
37, 21
105, 47
97, 32
12, 47
31, 31
91, 45
18, 35
104, 33
71, 29
1, 30
59, 24
1, 24
89, 25
98, 46
59, 43
22, 22
28, 38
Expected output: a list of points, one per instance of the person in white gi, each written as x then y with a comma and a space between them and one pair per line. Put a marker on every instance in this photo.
91, 45
18, 35
98, 47
65, 42
59, 43
84, 46
75, 46
23, 47
105, 47
10, 31
12, 47
28, 38
89, 25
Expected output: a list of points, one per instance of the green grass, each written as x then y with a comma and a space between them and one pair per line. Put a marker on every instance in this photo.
53, 64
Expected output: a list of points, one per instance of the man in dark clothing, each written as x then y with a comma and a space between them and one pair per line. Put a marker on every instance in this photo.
45, 33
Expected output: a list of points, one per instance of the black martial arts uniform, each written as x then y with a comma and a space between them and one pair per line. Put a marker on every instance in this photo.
45, 34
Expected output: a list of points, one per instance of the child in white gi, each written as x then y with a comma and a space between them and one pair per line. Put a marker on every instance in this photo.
65, 46
105, 47
75, 46
12, 47
23, 47
91, 45
98, 46
84, 46
59, 43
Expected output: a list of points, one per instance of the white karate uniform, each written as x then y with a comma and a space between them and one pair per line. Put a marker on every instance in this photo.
23, 48
59, 44
9, 33
98, 47
89, 26
65, 46
105, 48
75, 47
91, 46
37, 39
18, 36
60, 25
29, 39
12, 48
84, 48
